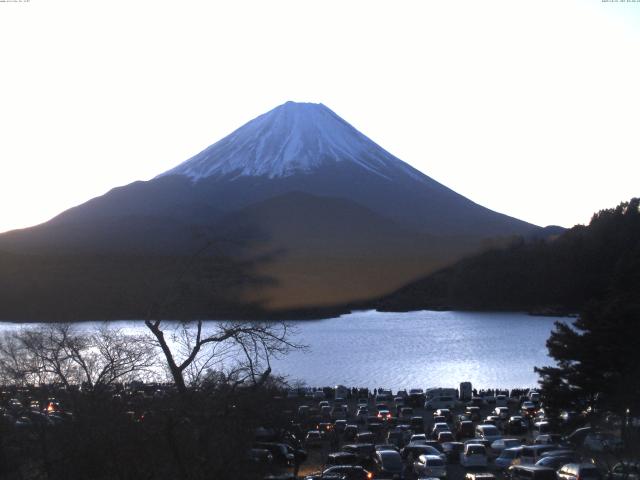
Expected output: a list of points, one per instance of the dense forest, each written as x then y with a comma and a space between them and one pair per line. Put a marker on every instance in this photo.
557, 275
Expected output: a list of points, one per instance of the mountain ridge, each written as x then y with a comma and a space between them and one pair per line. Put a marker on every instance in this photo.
321, 215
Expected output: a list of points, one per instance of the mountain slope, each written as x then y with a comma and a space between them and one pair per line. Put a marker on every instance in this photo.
329, 251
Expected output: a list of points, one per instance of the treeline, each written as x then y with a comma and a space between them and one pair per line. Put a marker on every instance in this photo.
73, 406
545, 276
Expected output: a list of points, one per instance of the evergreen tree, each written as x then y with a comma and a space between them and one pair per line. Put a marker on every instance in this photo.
598, 356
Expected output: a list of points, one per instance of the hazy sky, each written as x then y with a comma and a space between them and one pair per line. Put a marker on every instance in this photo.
531, 108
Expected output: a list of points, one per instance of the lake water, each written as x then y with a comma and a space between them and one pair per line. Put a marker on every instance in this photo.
414, 349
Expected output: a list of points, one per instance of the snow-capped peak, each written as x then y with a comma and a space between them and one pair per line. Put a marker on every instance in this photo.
291, 138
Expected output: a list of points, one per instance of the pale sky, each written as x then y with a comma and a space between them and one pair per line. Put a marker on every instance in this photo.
531, 108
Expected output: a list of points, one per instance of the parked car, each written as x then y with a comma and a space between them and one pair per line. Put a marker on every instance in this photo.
548, 439
576, 438
528, 409
560, 452
417, 424
406, 413
464, 429
443, 412
492, 420
473, 412
474, 455
579, 471
350, 432
625, 471
485, 443
348, 472
416, 397
341, 458
502, 412
440, 402
361, 414
313, 439
479, 476
386, 446
384, 415
516, 425
363, 451
339, 425
532, 453
556, 461
602, 442
413, 451
499, 445
365, 437
508, 457
452, 450
530, 472
388, 463
445, 437
430, 466
541, 427
396, 437
282, 453
439, 427
488, 432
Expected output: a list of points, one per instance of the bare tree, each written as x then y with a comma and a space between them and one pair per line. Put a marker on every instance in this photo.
241, 350
61, 353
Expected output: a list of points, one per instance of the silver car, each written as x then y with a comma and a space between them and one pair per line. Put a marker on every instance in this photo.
430, 466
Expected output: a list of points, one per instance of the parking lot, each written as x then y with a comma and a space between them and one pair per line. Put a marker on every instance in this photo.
371, 422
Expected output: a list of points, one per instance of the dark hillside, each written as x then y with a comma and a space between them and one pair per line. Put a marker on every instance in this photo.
555, 275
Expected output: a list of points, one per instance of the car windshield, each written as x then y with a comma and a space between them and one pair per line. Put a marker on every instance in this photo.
476, 450
490, 431
392, 461
509, 454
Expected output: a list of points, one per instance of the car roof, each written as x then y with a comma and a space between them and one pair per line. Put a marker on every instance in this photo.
431, 457
540, 447
532, 467
387, 453
580, 465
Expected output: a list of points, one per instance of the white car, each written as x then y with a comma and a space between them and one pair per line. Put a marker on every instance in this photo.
440, 402
502, 412
439, 427
418, 438
430, 466
474, 455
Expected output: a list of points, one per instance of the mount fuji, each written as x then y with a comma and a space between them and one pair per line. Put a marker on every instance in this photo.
311, 211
